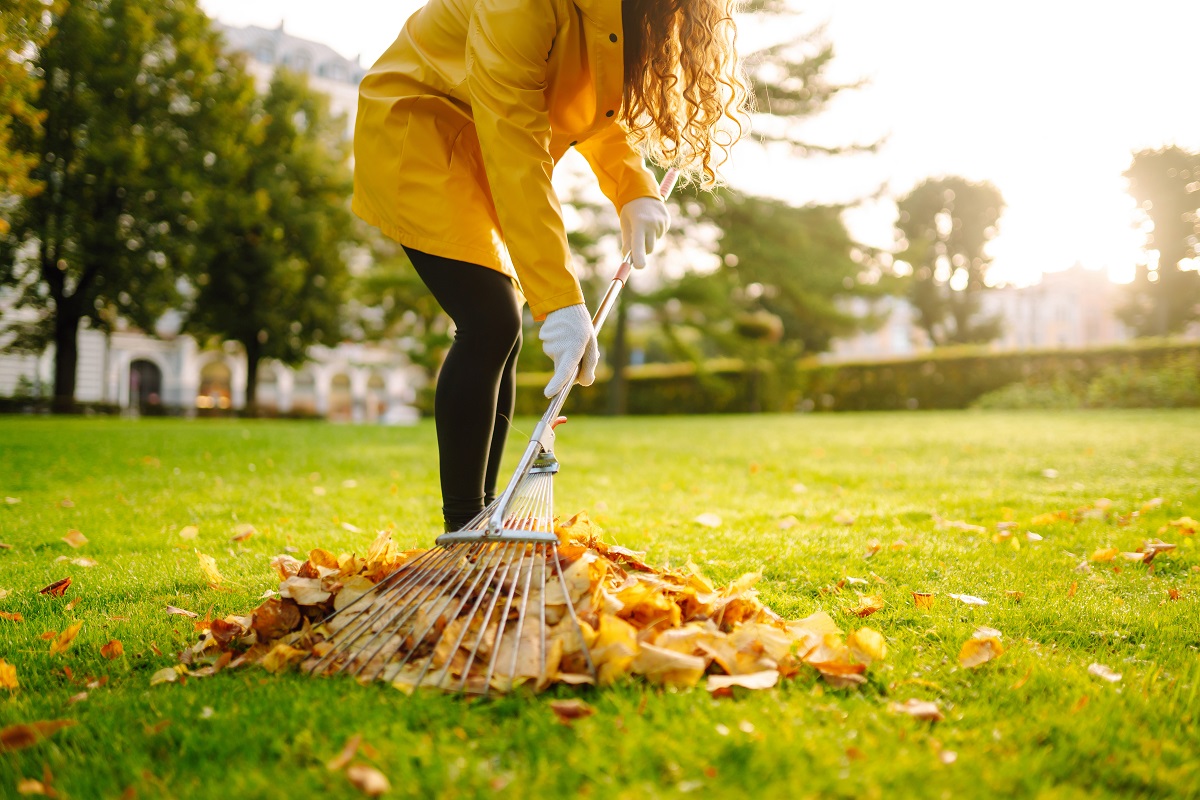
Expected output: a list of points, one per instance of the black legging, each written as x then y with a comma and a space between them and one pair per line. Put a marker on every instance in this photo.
476, 388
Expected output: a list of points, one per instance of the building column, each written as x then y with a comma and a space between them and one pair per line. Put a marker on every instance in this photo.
359, 377
189, 375
285, 384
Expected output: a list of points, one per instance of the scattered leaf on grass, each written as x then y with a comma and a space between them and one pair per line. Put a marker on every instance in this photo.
765, 679
243, 532
5, 546
569, 710
1024, 679
368, 780
84, 562
845, 518
1103, 672
1104, 554
281, 656
918, 709
349, 750
1187, 526
923, 599
969, 599
788, 522
983, 646
77, 698
183, 612
8, 676
74, 601
1152, 547
208, 565
113, 649
1080, 704
947, 756
867, 645
164, 675
708, 520
32, 786
12, 616
868, 604
56, 589
1073, 589
75, 538
4, 593
1014, 595
19, 737
189, 532
64, 639
12, 501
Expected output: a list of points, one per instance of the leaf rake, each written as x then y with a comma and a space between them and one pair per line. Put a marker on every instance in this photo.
491, 606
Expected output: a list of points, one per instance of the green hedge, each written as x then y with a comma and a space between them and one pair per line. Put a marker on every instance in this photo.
942, 380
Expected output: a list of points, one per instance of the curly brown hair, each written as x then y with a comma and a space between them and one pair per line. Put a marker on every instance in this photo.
685, 99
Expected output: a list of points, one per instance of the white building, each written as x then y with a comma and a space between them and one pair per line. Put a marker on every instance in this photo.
139, 372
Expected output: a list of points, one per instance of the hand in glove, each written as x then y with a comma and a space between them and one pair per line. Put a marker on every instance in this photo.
569, 339
643, 222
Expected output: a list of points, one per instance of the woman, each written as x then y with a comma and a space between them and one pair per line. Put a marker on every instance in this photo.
460, 124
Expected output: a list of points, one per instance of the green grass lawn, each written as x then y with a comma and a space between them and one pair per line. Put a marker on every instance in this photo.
1031, 723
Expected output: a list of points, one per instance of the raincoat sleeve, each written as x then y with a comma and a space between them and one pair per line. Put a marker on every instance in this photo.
507, 45
620, 170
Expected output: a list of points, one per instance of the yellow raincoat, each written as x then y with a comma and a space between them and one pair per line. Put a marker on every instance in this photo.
461, 122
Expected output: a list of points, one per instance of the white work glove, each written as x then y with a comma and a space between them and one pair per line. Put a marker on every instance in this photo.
569, 339
643, 222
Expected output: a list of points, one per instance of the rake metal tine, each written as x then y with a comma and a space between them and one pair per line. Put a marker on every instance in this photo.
497, 554
445, 599
543, 676
571, 610
356, 627
512, 668
363, 623
487, 616
412, 607
487, 681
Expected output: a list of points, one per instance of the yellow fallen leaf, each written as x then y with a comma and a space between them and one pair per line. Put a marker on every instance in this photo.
75, 539
281, 656
1187, 526
12, 616
32, 786
164, 675
923, 599
208, 565
8, 676
1105, 554
114, 649
983, 646
349, 750
764, 679
918, 709
189, 532
64, 639
868, 604
708, 520
845, 518
867, 645
368, 780
243, 532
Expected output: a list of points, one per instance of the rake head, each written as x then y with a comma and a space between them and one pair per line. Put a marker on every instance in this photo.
489, 608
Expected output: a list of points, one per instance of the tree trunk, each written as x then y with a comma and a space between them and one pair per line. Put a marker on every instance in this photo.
66, 358
253, 355
618, 387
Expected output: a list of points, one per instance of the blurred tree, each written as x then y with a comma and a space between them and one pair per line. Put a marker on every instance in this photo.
276, 232
1164, 298
945, 225
24, 30
137, 99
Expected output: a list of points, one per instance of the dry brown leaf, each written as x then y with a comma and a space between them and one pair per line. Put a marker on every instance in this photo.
1104, 673
1024, 679
74, 601
19, 737
8, 676
983, 646
1187, 526
75, 538
56, 589
349, 750
281, 656
243, 532
182, 612
923, 599
113, 649
64, 639
208, 566
12, 616
918, 709
569, 710
1073, 589
368, 780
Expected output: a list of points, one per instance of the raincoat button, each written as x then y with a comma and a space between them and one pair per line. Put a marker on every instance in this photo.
612, 37
574, 143
609, 113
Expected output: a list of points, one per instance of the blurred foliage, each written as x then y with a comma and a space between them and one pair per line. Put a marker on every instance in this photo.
1150, 373
1165, 299
23, 30
275, 229
135, 99
946, 224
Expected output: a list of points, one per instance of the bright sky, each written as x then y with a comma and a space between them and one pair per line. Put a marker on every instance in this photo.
1047, 100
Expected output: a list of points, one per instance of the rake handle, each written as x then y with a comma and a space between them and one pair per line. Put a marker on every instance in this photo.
543, 435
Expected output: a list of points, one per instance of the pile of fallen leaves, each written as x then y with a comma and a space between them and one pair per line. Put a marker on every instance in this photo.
669, 626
